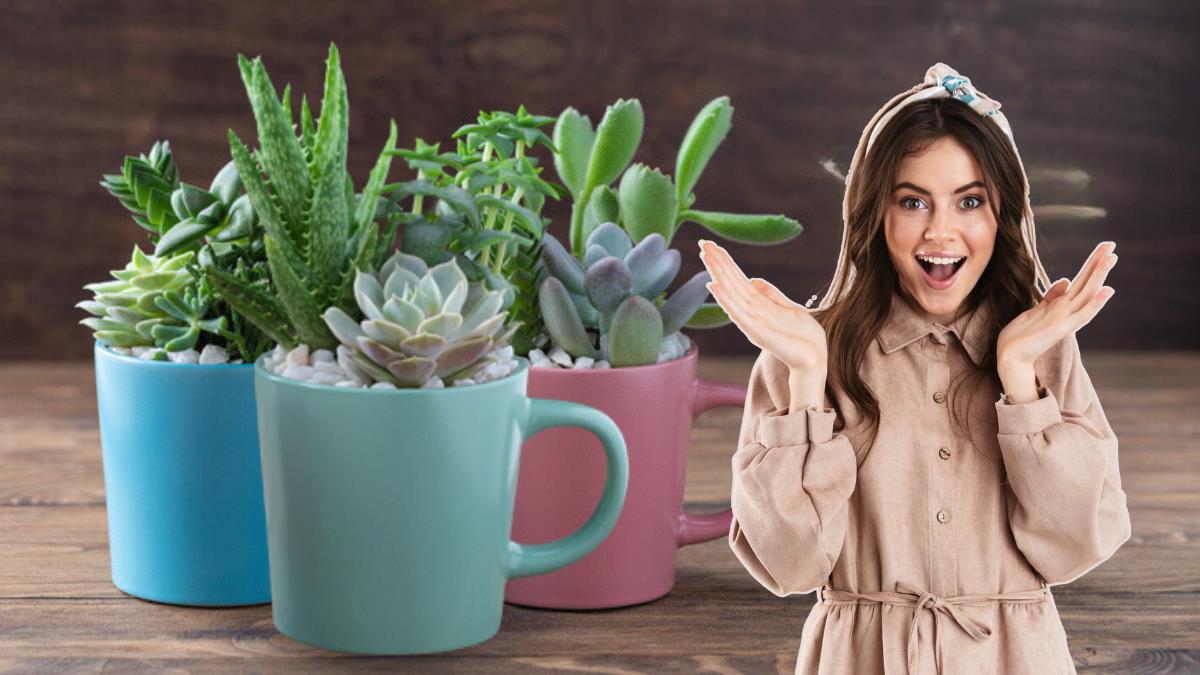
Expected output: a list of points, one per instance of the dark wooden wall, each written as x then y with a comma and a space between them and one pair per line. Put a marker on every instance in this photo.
1105, 87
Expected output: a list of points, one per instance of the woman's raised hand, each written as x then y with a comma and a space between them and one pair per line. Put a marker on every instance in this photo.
1063, 310
766, 316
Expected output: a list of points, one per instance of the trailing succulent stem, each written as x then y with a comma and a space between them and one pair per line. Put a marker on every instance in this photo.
480, 206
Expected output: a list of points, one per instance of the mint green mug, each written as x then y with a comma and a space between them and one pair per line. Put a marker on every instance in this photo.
389, 512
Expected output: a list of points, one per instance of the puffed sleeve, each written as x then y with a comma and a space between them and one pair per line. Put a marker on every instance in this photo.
792, 480
1066, 507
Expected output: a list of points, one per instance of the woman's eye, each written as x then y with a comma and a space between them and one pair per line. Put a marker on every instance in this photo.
904, 203
976, 201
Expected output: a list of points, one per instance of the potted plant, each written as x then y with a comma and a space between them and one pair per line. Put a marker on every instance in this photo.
174, 390
614, 343
391, 415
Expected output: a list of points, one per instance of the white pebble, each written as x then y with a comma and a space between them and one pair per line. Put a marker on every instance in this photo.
434, 382
602, 364
541, 362
327, 367
185, 356
138, 351
560, 356
279, 353
383, 385
125, 351
584, 362
301, 373
536, 355
346, 383
149, 354
214, 354
298, 356
326, 377
322, 356
462, 381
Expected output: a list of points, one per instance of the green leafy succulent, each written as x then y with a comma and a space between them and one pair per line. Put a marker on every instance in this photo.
421, 322
215, 227
152, 302
480, 205
648, 201
316, 233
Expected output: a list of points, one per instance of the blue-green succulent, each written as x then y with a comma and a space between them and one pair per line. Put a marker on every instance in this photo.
606, 307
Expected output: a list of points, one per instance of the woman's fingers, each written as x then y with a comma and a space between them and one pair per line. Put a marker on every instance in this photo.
737, 312
726, 272
1097, 258
772, 292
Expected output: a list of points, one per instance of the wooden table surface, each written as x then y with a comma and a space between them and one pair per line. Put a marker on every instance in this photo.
1137, 612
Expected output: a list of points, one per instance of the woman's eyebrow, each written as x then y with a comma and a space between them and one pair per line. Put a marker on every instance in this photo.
923, 191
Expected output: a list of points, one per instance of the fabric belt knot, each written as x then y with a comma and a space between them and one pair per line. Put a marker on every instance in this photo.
909, 595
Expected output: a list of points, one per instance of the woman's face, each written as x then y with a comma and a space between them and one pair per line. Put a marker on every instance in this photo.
939, 207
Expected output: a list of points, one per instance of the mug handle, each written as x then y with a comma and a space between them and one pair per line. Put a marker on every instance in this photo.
696, 528
525, 560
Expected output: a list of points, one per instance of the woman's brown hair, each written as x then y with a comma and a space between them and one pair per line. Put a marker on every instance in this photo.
854, 318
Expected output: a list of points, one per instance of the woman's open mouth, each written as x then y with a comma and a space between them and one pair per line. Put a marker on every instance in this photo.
940, 277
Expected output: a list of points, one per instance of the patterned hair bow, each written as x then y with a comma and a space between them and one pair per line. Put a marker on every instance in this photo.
942, 81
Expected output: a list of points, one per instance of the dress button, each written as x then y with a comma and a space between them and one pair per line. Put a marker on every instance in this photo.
943, 516
944, 453
939, 396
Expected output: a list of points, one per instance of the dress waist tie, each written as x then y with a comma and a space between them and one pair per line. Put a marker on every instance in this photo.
908, 595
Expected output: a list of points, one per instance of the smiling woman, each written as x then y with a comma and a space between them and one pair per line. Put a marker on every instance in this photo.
854, 471
940, 232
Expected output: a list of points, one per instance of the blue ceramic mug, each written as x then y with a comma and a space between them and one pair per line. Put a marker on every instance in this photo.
182, 480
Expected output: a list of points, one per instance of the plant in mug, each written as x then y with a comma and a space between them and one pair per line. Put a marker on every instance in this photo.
603, 309
620, 262
163, 306
483, 208
317, 232
423, 327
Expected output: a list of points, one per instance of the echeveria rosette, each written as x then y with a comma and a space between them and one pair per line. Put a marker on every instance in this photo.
608, 306
421, 322
152, 302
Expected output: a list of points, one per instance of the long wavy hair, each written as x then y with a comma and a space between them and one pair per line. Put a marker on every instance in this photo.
854, 318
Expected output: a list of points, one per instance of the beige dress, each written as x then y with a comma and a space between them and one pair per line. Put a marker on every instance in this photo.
933, 550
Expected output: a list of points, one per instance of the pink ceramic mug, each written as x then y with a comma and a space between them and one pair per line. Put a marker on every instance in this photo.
562, 474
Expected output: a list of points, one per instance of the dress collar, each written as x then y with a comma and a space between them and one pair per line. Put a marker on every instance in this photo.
904, 326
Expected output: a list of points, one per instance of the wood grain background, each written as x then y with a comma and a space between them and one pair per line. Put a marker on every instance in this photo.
1105, 87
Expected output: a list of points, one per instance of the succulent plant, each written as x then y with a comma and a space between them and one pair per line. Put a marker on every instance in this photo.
153, 301
613, 293
648, 201
481, 205
421, 322
317, 233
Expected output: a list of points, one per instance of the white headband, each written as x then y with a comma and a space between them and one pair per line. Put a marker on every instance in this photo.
941, 81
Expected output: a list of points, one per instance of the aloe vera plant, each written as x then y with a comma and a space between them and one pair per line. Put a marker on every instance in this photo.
648, 201
317, 234
422, 323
